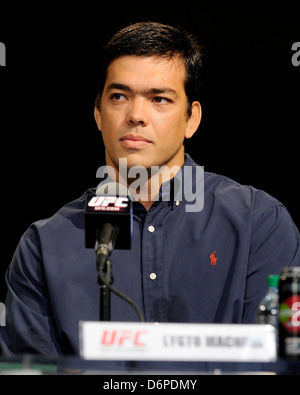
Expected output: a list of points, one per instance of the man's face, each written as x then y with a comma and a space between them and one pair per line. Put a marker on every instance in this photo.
143, 112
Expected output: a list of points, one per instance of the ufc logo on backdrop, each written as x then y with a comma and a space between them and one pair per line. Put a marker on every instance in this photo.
127, 338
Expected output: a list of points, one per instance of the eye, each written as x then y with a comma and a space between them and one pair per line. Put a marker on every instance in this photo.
162, 100
117, 97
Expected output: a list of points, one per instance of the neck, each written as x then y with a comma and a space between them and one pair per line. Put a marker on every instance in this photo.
144, 184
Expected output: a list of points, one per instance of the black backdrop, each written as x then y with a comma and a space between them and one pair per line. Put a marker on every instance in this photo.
50, 145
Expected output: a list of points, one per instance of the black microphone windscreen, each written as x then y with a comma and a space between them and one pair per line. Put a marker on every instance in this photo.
112, 205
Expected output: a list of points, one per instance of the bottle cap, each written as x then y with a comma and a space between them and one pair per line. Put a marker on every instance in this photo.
273, 280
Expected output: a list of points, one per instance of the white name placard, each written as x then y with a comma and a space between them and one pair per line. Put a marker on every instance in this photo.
177, 342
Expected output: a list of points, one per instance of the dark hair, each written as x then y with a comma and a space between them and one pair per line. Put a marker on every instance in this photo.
155, 40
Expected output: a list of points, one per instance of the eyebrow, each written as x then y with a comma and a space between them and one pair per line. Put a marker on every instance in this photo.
152, 91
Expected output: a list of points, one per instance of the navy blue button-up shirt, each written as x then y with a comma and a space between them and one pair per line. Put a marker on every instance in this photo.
208, 266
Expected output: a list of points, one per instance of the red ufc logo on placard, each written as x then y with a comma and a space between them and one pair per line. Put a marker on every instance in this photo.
106, 201
123, 338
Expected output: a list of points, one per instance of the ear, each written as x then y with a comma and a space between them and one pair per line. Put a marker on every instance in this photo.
194, 120
97, 116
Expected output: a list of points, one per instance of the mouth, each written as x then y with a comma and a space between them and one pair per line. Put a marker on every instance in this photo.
135, 142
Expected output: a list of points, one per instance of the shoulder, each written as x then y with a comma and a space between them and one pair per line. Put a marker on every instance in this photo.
71, 212
235, 195
265, 220
227, 191
64, 229
231, 200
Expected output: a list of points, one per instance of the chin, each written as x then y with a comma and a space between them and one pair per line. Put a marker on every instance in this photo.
138, 160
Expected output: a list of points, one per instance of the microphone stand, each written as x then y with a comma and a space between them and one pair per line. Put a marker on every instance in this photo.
105, 280
106, 236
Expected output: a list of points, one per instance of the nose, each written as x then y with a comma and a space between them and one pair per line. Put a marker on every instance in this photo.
137, 113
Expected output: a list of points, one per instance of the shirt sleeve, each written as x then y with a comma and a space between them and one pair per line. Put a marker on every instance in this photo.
274, 245
29, 322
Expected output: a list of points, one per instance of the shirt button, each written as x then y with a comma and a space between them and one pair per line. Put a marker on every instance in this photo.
151, 229
153, 276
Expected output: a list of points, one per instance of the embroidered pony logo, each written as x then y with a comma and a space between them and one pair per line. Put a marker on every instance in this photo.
213, 259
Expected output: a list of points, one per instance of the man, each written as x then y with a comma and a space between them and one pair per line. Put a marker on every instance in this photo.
189, 262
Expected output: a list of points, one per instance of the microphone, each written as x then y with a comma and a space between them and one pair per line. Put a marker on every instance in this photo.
108, 219
108, 226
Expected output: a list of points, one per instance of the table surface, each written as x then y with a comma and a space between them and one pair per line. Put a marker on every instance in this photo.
28, 364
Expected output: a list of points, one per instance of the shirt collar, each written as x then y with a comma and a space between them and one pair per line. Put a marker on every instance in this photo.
184, 185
